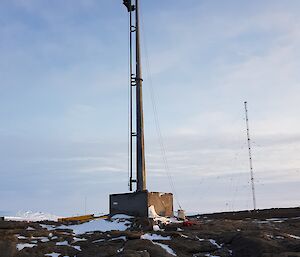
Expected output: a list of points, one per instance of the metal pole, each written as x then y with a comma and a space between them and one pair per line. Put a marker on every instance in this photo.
130, 118
140, 152
250, 157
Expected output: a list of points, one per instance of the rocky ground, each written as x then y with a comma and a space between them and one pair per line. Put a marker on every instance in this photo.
202, 236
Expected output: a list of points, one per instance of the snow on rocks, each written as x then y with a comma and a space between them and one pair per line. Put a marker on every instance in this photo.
119, 238
293, 236
44, 239
155, 237
121, 216
77, 239
62, 243
156, 228
34, 239
77, 247
52, 254
66, 243
48, 227
166, 248
120, 250
99, 241
213, 242
98, 225
22, 246
21, 237
118, 222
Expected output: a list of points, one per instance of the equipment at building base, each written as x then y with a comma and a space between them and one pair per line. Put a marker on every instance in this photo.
181, 214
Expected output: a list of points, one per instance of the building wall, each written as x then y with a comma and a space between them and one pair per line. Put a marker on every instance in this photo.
162, 203
137, 203
134, 204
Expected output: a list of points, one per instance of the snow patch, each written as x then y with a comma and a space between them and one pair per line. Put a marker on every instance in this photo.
97, 225
119, 238
293, 236
22, 246
155, 237
32, 216
76, 239
156, 228
120, 250
98, 241
41, 238
21, 237
278, 220
212, 241
48, 227
52, 254
166, 248
62, 243
151, 212
78, 248
121, 216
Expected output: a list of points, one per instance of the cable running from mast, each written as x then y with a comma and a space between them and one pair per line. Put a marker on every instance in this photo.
156, 118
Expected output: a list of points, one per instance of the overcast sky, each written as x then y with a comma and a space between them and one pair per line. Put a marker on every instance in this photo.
64, 102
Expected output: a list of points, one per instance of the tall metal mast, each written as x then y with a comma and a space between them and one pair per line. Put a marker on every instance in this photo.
136, 82
250, 157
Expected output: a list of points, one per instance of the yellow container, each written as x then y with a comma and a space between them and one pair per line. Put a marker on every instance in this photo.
77, 218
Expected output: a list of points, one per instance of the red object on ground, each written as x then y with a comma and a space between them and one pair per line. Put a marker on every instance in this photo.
188, 223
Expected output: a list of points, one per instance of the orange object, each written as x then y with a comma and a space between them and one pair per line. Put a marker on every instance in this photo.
77, 218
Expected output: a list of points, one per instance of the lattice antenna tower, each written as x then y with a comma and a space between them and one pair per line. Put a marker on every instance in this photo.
250, 157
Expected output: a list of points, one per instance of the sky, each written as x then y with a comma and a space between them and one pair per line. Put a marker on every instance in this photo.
64, 103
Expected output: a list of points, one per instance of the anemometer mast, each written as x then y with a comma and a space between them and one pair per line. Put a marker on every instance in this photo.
136, 119
137, 203
250, 157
